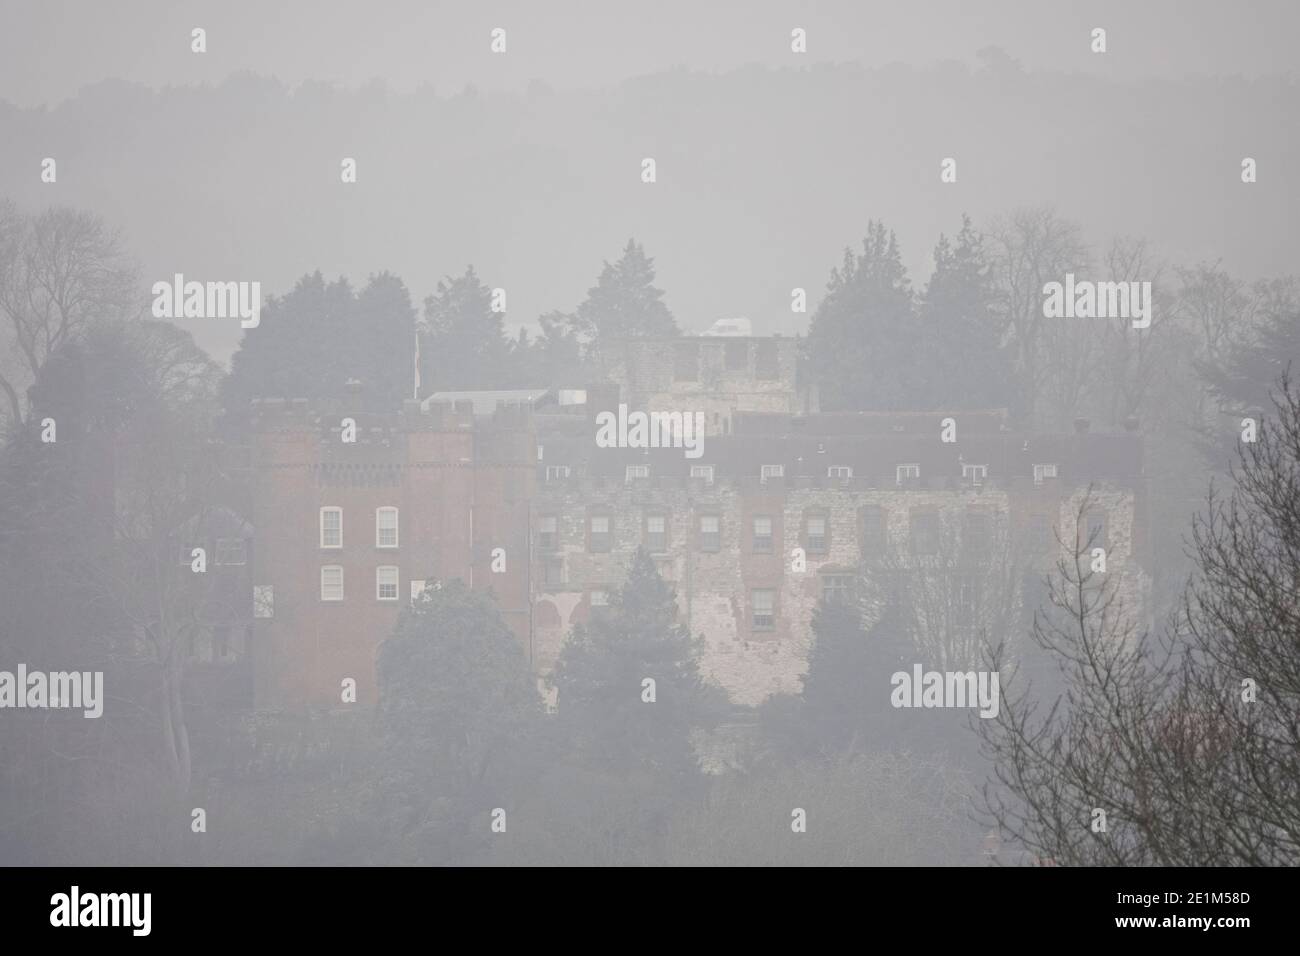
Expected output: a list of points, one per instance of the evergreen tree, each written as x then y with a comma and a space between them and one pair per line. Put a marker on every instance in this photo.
968, 368
464, 343
863, 345
459, 717
845, 697
311, 341
624, 303
382, 342
602, 710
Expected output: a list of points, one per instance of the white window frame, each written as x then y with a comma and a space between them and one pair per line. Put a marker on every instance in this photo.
900, 476
323, 595
770, 471
839, 471
843, 587
379, 543
599, 597
753, 610
975, 474
326, 510
700, 519
396, 582
663, 518
825, 535
633, 472
704, 472
1044, 471
557, 472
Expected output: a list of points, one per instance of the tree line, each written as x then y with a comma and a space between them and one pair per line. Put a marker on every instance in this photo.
1156, 729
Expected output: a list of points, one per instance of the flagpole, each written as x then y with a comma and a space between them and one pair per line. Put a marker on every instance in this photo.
416, 390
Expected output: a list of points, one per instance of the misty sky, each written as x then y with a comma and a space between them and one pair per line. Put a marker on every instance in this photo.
770, 164
63, 45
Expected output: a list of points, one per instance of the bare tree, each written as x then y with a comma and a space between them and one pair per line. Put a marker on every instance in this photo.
1241, 621
1027, 249
1131, 358
1179, 748
166, 480
956, 588
60, 272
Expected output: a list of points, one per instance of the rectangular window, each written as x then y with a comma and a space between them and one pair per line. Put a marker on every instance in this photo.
1042, 472
598, 541
907, 473
839, 471
814, 534
872, 541
772, 471
331, 583
417, 589
656, 533
767, 361
636, 471
925, 532
686, 362
600, 599
710, 533
556, 472
974, 474
231, 552
837, 587
553, 572
763, 602
385, 527
737, 356
331, 527
762, 534
386, 583
548, 533
704, 472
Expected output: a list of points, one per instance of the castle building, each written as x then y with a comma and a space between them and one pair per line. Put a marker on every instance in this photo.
349, 530
788, 509
783, 506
